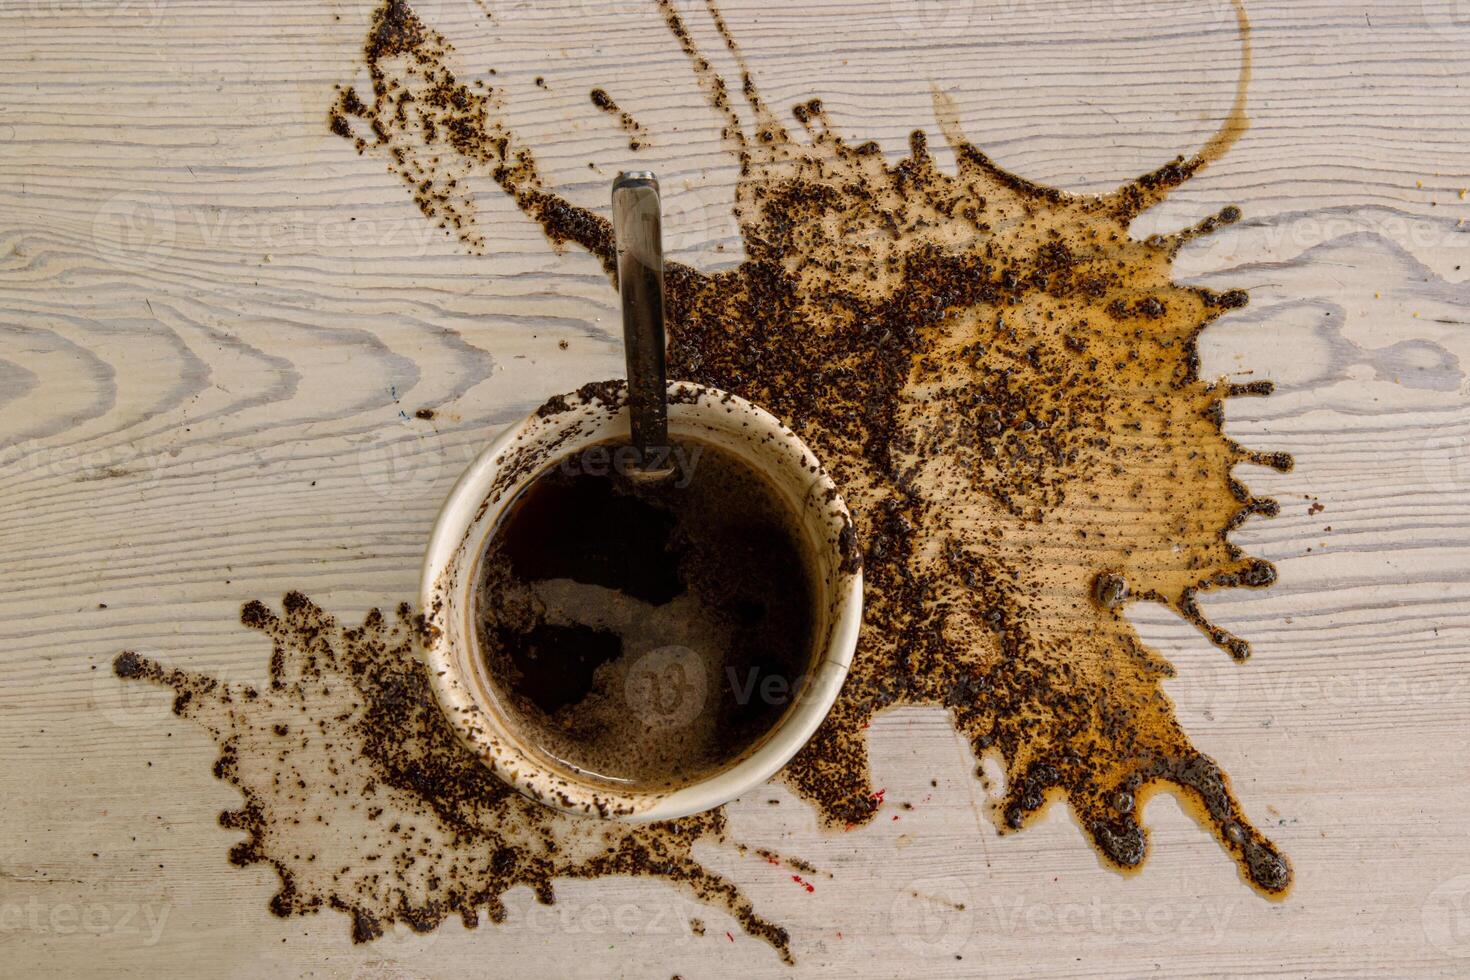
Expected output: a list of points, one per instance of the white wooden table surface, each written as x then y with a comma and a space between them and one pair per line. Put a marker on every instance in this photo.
217, 322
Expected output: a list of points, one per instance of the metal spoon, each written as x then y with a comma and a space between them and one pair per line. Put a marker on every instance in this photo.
638, 232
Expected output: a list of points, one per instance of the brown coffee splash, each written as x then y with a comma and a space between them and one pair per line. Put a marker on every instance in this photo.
359, 795
1004, 384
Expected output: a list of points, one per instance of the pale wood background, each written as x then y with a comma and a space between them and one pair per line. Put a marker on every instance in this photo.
205, 367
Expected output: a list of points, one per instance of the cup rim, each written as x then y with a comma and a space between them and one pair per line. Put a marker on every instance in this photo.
522, 452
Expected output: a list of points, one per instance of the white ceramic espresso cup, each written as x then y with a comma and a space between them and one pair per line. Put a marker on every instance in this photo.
561, 429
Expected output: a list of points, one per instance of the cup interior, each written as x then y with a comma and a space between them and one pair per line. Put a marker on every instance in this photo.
476, 702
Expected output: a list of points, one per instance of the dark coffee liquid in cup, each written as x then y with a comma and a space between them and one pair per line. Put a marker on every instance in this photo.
649, 632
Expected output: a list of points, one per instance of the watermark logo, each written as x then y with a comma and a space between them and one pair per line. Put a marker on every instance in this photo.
1448, 18
142, 922
627, 460
701, 222
127, 703
1444, 462
135, 228
1204, 923
311, 232
68, 464
403, 463
766, 687
929, 19
603, 10
668, 921
1208, 690
666, 687
1348, 690
146, 13
1254, 241
453, 17
933, 917
144, 228
1446, 917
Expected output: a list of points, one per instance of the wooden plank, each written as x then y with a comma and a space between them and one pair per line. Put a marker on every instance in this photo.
214, 317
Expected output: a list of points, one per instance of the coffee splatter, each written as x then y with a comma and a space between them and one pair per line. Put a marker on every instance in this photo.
1006, 387
360, 796
637, 135
1004, 384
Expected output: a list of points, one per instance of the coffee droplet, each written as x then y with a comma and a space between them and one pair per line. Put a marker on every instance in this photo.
1004, 384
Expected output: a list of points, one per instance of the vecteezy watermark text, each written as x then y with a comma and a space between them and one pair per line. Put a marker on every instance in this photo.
142, 919
605, 460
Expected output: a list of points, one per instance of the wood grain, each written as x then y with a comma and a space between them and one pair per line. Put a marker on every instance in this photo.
217, 323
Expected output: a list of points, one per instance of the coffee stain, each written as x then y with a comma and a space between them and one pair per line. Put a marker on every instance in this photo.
359, 794
1006, 387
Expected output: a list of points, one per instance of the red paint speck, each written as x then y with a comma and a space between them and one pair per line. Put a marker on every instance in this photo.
895, 816
729, 937
805, 884
878, 796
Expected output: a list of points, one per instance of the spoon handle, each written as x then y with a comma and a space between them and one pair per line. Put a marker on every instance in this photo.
638, 231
